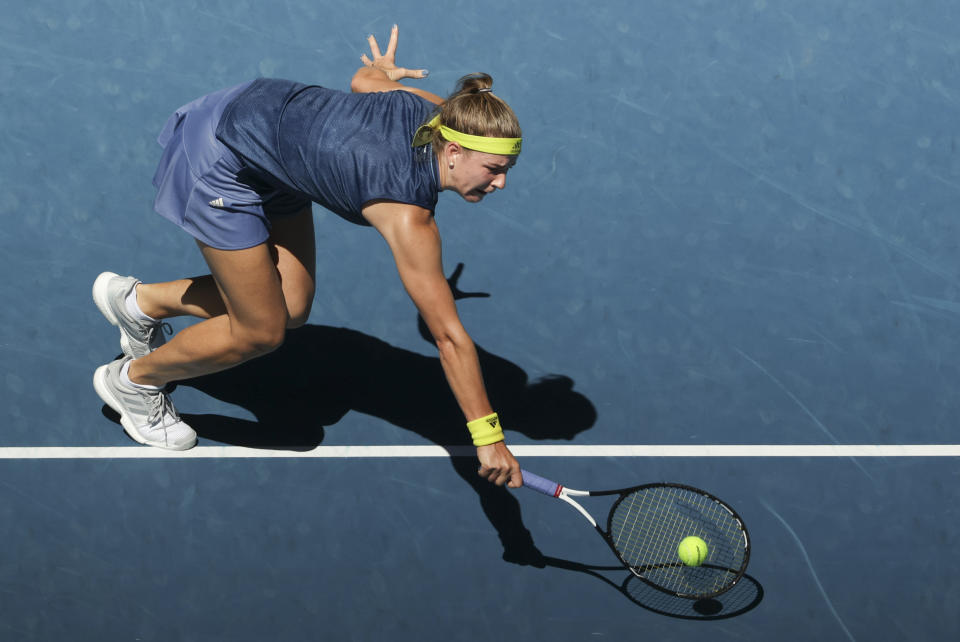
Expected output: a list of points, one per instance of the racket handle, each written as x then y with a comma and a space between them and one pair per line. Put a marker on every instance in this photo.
540, 484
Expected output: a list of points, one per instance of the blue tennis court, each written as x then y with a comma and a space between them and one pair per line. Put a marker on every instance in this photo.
727, 257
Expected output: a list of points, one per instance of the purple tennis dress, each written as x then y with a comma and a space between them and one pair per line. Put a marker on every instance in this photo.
237, 157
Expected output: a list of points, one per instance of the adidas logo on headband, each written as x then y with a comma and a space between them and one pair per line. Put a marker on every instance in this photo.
488, 144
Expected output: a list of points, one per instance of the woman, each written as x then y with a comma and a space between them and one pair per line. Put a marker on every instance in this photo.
239, 170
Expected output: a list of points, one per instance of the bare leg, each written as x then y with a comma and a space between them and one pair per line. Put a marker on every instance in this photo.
248, 301
197, 296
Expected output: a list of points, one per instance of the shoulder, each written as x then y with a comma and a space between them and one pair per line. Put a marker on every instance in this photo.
391, 217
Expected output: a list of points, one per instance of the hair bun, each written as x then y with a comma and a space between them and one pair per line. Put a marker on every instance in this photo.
474, 83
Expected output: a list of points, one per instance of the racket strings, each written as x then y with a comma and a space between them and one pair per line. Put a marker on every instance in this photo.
647, 525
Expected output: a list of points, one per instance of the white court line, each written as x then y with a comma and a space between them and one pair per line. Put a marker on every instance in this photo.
368, 452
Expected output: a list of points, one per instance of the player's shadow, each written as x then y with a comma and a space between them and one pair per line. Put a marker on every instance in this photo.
321, 373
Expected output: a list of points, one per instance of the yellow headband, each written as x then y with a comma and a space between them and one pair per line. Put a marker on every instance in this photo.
488, 144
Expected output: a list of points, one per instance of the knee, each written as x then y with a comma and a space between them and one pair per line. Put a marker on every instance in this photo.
298, 309
299, 319
266, 343
263, 339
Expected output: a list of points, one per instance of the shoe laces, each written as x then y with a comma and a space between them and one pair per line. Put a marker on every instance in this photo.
160, 326
162, 413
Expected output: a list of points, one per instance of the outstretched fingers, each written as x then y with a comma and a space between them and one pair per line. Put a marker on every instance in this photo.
386, 62
392, 45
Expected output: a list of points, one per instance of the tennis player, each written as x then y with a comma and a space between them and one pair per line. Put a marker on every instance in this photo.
239, 171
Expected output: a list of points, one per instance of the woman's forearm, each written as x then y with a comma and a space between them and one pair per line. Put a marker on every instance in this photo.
461, 365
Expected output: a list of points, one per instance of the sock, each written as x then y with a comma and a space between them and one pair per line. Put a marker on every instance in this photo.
125, 379
133, 308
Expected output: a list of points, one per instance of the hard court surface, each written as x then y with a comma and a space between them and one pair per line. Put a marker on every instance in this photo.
732, 235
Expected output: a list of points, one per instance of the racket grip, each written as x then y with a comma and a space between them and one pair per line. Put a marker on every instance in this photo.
540, 484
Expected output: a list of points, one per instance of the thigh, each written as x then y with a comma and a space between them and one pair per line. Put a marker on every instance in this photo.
250, 287
294, 252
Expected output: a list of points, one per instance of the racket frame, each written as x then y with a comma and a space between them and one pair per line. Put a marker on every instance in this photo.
567, 495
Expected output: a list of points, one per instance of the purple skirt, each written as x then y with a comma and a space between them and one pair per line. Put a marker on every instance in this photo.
204, 187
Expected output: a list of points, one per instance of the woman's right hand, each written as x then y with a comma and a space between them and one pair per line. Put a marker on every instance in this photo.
499, 466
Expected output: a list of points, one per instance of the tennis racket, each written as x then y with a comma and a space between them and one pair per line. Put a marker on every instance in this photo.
647, 523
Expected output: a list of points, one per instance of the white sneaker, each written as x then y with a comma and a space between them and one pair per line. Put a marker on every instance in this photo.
148, 416
110, 292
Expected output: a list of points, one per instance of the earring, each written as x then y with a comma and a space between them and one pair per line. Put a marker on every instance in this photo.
450, 165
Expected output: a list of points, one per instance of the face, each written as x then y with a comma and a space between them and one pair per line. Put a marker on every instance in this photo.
476, 174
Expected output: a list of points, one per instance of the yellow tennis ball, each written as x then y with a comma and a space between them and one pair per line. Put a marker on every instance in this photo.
692, 551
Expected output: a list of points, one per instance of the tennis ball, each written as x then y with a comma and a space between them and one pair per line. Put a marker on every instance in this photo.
692, 551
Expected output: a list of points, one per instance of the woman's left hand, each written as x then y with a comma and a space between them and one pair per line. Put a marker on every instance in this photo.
387, 62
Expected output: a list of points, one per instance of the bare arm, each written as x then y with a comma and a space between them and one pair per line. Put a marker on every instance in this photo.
382, 74
412, 235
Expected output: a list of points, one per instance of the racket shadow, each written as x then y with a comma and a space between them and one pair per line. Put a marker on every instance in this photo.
321, 373
745, 596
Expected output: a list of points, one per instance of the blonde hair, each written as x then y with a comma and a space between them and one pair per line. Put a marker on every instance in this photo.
473, 109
